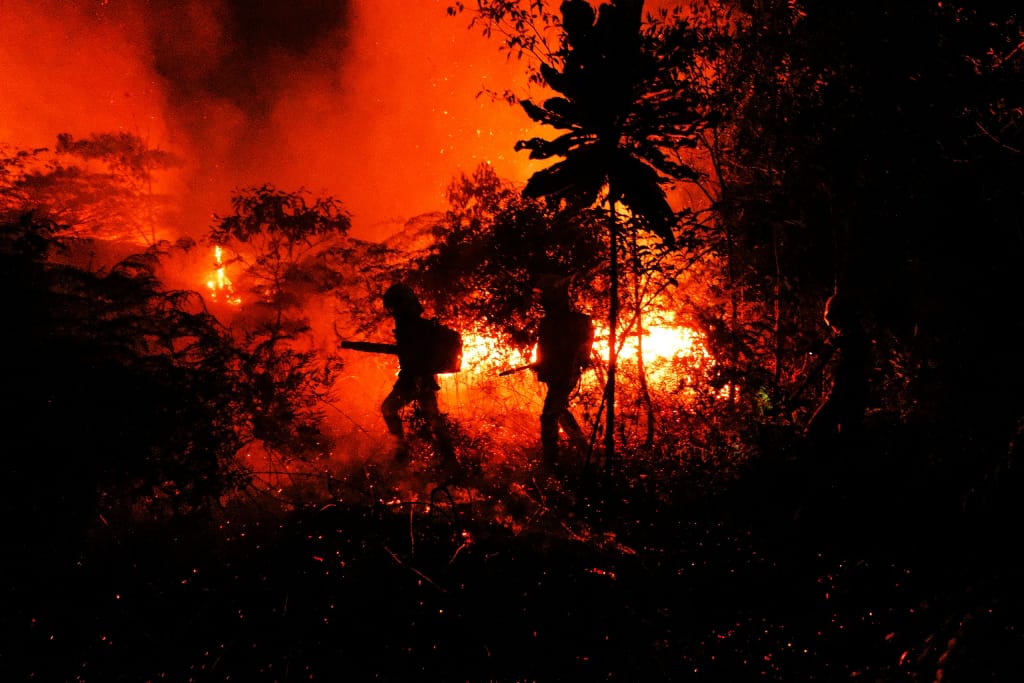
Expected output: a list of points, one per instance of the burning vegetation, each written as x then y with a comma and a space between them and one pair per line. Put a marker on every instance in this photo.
193, 434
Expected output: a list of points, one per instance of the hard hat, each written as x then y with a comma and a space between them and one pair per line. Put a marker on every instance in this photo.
840, 312
399, 298
553, 288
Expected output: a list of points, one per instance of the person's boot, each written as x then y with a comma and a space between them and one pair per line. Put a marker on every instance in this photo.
400, 454
447, 461
549, 457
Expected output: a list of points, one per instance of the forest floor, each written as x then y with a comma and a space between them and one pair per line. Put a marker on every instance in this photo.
843, 572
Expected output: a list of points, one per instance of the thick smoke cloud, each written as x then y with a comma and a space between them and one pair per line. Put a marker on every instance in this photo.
243, 53
374, 102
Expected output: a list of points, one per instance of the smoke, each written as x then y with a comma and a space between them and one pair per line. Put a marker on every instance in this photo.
374, 102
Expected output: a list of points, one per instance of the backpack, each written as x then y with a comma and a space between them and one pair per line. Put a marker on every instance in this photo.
585, 337
445, 348
565, 344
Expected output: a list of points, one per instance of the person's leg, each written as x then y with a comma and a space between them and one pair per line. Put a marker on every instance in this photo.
432, 414
393, 403
823, 427
572, 429
556, 404
390, 408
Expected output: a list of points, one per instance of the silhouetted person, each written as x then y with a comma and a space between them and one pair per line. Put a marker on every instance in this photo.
842, 412
416, 381
564, 341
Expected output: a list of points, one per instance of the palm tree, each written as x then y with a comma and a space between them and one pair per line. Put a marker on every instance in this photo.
624, 102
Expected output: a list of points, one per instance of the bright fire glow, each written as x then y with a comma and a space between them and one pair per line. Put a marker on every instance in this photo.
673, 355
482, 354
662, 343
219, 284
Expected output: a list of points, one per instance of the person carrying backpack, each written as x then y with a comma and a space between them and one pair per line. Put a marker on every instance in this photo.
564, 341
842, 413
417, 381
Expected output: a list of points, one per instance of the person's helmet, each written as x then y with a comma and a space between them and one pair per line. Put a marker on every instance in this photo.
553, 289
400, 298
840, 312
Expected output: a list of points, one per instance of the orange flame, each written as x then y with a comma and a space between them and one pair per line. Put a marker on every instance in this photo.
219, 283
662, 344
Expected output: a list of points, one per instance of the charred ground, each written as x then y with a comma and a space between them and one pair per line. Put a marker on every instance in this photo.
850, 571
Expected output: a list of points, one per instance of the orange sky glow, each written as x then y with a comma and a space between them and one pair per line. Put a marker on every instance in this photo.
379, 105
375, 102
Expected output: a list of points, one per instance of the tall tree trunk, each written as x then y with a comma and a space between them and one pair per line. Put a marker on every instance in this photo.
613, 319
638, 316
777, 312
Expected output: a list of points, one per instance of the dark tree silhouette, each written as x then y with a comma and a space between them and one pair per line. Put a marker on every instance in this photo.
270, 231
626, 107
135, 395
492, 245
100, 186
873, 151
273, 235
